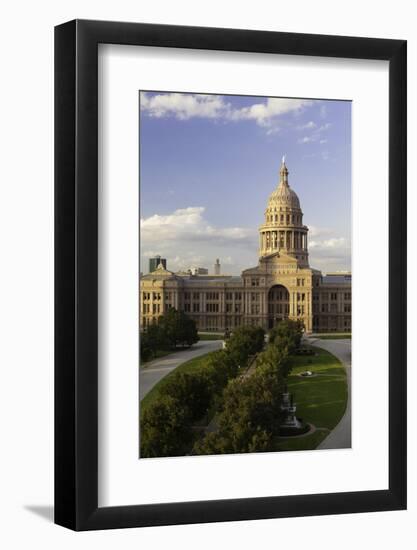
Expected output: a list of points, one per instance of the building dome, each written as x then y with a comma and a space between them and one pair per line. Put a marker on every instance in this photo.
283, 230
283, 197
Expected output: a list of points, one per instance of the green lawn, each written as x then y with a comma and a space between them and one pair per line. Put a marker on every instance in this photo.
211, 336
193, 365
321, 400
334, 336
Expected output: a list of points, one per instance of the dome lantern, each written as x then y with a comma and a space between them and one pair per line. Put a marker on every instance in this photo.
283, 173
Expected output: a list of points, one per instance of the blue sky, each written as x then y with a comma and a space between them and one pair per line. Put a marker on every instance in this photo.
208, 164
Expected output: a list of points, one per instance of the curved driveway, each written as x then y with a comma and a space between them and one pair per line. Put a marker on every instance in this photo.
155, 370
341, 436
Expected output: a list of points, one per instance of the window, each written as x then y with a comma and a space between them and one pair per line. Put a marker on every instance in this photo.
333, 296
347, 296
187, 307
229, 296
196, 296
333, 308
238, 308
255, 296
196, 308
167, 295
255, 282
347, 308
324, 308
228, 308
187, 295
212, 295
325, 296
238, 296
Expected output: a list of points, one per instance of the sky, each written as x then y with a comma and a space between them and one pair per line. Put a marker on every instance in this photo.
208, 164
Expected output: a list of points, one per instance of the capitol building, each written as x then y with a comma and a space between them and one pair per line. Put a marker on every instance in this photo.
281, 286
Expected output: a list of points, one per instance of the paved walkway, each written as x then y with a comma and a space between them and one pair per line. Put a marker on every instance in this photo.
341, 436
154, 371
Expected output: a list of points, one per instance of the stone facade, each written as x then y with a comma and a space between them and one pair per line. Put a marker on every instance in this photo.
281, 286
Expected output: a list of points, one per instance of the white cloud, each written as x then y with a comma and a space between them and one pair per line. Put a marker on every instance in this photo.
188, 223
330, 254
187, 106
316, 134
307, 139
183, 106
334, 243
264, 113
324, 127
186, 238
308, 126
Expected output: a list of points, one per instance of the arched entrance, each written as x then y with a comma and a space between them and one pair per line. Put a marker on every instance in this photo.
278, 305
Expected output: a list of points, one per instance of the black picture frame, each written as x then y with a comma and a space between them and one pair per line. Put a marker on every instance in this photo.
76, 273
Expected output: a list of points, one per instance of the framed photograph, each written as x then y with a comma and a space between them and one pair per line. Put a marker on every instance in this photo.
230, 275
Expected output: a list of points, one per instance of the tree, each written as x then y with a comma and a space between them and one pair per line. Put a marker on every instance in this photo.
221, 366
165, 428
191, 390
250, 414
287, 335
178, 328
151, 340
245, 341
275, 357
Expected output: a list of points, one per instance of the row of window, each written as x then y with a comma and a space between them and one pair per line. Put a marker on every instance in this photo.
156, 308
281, 217
255, 296
332, 308
347, 296
237, 295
